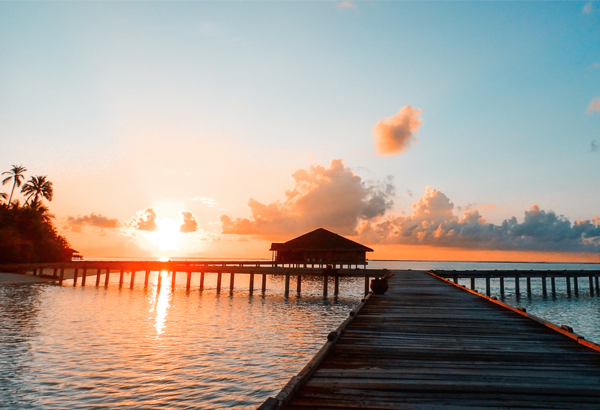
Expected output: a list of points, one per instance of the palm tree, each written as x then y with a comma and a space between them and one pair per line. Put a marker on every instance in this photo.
36, 187
16, 174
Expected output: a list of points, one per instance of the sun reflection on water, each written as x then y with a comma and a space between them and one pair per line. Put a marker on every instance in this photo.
160, 304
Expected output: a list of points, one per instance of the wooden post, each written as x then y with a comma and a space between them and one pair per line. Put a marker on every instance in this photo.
189, 281
299, 284
54, 272
121, 275
487, 286
231, 279
264, 283
75, 276
61, 276
472, 283
287, 285
576, 284
98, 271
132, 279
517, 288
568, 279
544, 290
455, 279
553, 284
219, 282
591, 285
251, 284
336, 283
106, 278
366, 285
529, 285
173, 276
146, 278
325, 285
159, 280
597, 285
201, 281
83, 276
502, 286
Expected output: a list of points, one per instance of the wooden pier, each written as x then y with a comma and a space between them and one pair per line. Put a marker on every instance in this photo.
432, 344
196, 271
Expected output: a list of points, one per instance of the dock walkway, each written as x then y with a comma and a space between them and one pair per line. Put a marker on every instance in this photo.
427, 344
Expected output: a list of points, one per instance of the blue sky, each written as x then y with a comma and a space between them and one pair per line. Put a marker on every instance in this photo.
231, 98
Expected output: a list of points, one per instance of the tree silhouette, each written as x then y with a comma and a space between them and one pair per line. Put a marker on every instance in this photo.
37, 187
16, 174
3, 196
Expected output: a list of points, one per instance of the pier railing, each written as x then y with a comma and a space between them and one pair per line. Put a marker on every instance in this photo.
569, 276
79, 271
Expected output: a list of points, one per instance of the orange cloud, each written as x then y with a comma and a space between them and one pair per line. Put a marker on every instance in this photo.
145, 221
594, 105
433, 222
347, 5
395, 134
98, 221
334, 198
188, 222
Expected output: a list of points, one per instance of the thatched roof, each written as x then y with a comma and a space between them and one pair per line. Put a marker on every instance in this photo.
320, 240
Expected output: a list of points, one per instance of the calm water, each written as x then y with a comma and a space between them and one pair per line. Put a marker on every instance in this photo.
71, 348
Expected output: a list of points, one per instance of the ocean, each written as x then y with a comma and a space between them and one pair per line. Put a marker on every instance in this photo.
86, 347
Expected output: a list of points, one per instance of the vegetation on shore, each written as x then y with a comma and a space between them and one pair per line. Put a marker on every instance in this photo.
27, 234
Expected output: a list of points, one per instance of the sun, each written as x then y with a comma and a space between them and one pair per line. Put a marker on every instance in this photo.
167, 237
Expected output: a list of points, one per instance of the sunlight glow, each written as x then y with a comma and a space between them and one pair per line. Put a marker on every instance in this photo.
167, 237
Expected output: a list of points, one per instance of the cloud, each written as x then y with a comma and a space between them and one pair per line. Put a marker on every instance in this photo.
211, 202
347, 5
334, 198
587, 9
433, 222
594, 105
188, 222
593, 146
395, 134
145, 221
98, 221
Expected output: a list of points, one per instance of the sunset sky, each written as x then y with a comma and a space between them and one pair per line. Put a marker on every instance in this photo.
210, 129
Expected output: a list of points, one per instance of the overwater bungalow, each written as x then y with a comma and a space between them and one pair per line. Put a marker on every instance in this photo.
320, 247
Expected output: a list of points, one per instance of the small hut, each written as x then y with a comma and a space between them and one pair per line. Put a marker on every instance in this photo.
320, 247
